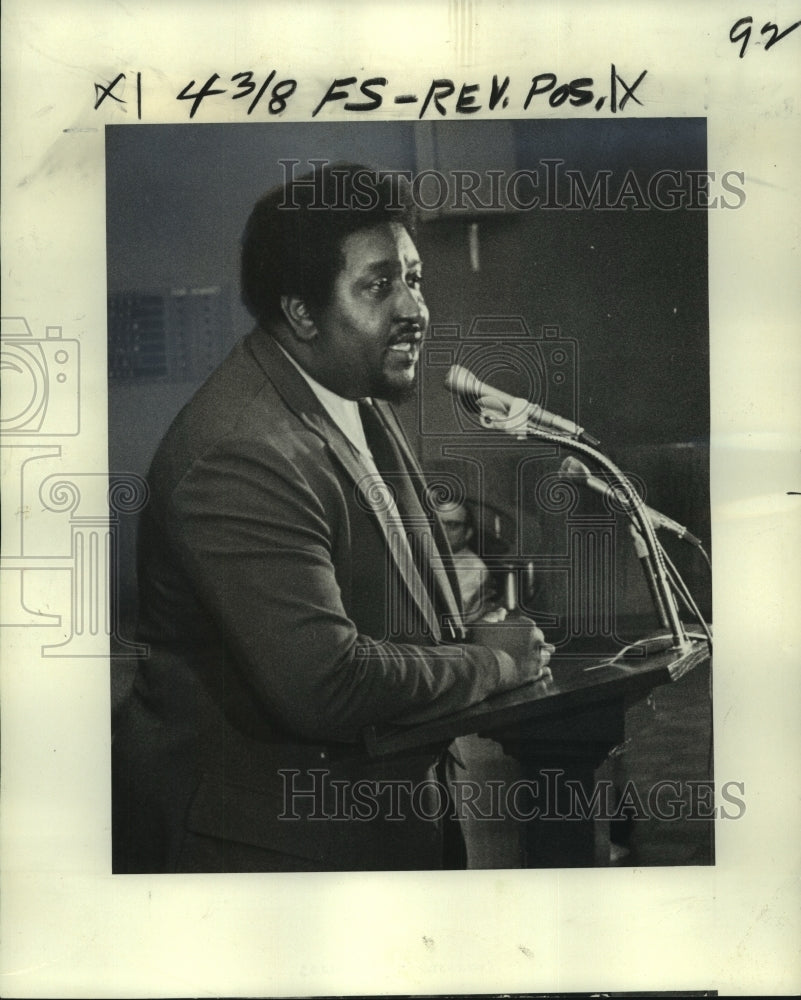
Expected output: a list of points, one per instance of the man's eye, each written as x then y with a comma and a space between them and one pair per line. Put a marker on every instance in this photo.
379, 285
415, 280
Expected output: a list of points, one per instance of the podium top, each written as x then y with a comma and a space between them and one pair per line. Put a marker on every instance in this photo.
578, 684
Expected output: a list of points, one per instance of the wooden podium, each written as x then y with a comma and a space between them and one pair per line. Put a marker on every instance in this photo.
561, 731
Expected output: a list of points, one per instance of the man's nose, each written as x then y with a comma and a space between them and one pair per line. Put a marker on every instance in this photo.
412, 306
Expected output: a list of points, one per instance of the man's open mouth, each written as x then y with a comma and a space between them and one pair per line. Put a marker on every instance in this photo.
407, 343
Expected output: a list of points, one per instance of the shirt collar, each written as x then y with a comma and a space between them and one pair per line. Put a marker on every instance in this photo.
344, 412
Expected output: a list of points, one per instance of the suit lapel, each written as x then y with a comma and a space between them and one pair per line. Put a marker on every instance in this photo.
298, 396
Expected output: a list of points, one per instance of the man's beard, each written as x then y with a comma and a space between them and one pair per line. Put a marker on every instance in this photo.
397, 394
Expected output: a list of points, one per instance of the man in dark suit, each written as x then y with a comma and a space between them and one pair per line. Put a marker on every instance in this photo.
294, 581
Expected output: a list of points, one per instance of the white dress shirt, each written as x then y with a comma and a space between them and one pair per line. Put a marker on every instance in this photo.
344, 412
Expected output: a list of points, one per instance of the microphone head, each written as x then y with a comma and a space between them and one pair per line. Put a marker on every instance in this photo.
462, 380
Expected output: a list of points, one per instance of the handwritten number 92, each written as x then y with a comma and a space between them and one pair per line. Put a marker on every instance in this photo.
741, 31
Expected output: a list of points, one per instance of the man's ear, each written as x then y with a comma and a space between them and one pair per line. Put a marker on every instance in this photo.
298, 317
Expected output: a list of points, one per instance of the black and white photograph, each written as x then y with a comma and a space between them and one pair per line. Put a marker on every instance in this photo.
399, 403
447, 648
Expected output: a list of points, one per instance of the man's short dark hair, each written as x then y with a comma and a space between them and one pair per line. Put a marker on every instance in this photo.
293, 238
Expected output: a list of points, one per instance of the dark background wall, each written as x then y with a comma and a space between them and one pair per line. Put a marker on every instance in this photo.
627, 290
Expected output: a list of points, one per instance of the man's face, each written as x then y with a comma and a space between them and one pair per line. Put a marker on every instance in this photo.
369, 334
457, 527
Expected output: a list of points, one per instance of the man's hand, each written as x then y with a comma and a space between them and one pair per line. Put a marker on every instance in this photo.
521, 639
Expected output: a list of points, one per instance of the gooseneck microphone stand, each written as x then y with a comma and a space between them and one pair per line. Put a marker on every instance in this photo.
517, 424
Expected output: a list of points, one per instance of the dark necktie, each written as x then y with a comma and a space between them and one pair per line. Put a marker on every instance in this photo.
390, 463
400, 478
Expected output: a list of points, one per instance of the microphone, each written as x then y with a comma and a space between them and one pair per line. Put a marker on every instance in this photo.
578, 470
647, 564
461, 380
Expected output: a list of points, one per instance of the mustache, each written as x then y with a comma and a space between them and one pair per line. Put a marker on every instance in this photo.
411, 332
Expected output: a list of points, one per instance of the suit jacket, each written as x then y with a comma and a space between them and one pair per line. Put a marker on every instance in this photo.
279, 627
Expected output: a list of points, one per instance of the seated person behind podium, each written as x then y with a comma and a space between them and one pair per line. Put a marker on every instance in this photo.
475, 580
283, 611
